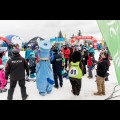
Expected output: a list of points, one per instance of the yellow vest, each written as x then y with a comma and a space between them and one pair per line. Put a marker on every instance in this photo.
75, 71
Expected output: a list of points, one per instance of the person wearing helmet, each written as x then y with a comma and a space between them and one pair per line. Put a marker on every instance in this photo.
16, 67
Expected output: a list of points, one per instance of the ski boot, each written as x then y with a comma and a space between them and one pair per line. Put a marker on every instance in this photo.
4, 90
27, 79
1, 91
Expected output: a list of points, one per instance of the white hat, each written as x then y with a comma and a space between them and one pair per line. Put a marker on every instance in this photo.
1, 67
29, 45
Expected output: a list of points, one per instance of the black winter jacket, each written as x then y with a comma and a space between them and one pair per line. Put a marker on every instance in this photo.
16, 67
103, 67
57, 63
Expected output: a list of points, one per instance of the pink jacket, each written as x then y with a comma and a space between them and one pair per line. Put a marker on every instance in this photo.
3, 81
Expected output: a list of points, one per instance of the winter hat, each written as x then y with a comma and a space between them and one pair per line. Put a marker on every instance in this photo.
15, 51
55, 50
52, 82
29, 45
76, 56
1, 67
90, 53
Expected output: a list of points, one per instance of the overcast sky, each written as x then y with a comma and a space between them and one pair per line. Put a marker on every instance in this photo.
27, 29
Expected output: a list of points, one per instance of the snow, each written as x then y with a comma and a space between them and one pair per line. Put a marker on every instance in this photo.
88, 88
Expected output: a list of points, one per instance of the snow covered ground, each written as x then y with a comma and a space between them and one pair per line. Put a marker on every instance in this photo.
88, 88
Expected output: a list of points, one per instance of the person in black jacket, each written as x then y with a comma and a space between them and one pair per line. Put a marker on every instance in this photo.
10, 47
102, 69
57, 68
16, 67
84, 59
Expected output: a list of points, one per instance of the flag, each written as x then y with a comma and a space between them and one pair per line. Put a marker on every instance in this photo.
110, 30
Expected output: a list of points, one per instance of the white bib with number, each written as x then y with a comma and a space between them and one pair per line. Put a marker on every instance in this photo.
73, 72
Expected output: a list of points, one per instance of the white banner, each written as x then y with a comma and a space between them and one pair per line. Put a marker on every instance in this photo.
3, 49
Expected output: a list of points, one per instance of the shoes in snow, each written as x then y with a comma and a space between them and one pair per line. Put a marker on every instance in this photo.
56, 86
4, 90
89, 77
98, 94
28, 80
1, 91
103, 93
25, 97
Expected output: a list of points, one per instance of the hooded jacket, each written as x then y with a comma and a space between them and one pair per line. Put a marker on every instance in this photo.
103, 67
16, 67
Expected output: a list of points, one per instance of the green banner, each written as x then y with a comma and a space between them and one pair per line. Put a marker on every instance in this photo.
110, 30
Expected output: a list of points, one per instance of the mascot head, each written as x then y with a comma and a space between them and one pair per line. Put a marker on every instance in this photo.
44, 47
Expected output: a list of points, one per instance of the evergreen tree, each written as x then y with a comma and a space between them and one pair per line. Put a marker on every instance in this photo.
79, 33
60, 35
72, 36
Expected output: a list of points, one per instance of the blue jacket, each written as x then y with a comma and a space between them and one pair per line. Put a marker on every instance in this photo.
88, 48
91, 50
4, 60
51, 56
27, 53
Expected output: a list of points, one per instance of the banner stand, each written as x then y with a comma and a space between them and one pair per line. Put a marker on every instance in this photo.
114, 91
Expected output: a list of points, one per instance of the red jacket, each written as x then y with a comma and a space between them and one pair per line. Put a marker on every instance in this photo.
62, 51
66, 53
90, 61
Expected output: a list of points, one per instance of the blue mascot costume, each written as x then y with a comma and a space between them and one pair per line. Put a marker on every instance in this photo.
44, 72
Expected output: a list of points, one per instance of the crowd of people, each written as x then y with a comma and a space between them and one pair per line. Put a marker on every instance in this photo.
70, 62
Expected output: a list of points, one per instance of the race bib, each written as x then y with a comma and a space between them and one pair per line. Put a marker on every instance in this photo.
73, 72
